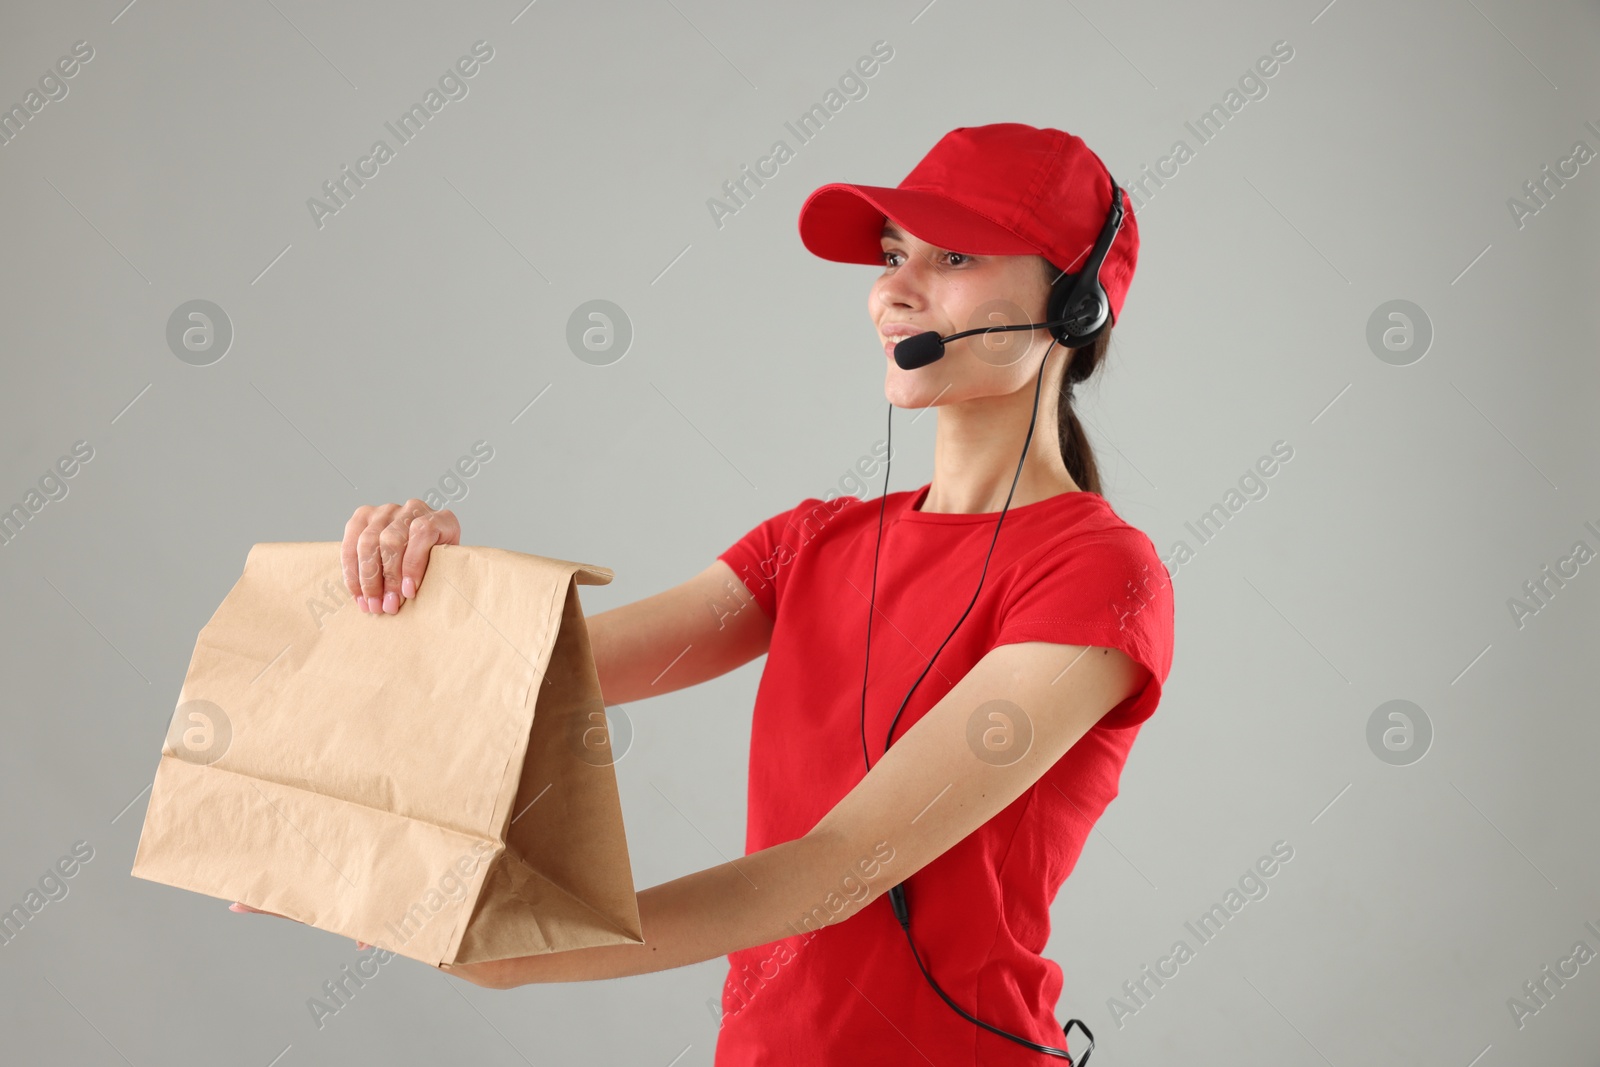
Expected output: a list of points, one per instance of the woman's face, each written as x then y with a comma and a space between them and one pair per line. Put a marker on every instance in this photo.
925, 287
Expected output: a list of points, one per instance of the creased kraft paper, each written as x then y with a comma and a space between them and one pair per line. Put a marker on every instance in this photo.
436, 782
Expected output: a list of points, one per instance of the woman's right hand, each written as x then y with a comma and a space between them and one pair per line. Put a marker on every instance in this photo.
386, 548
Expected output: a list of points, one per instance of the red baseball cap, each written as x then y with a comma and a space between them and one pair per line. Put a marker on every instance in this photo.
1004, 189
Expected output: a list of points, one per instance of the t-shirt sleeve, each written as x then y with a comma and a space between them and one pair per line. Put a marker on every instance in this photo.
1111, 590
762, 557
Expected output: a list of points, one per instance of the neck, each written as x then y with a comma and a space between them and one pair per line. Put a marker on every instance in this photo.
976, 448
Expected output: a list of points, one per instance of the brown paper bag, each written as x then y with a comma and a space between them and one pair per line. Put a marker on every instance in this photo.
437, 783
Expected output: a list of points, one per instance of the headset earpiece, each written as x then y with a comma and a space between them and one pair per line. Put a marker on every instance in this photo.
1079, 298
1084, 322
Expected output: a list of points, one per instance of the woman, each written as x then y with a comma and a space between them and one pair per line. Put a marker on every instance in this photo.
1032, 655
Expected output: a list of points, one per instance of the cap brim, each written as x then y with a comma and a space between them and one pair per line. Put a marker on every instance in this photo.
844, 223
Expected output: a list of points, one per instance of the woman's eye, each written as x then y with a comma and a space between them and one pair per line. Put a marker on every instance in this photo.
949, 257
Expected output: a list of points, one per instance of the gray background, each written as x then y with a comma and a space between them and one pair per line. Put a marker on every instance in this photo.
370, 353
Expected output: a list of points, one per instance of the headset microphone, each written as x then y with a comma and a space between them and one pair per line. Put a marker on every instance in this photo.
921, 349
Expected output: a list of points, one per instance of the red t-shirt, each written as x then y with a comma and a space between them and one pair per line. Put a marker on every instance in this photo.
1066, 570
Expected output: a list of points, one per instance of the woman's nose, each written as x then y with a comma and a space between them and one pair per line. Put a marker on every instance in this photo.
907, 286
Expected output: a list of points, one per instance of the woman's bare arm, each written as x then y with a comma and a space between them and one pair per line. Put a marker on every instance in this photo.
693, 632
930, 791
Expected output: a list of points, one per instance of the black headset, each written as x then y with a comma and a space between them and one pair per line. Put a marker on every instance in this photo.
1078, 312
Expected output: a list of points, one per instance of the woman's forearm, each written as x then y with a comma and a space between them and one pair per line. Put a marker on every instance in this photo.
679, 637
757, 899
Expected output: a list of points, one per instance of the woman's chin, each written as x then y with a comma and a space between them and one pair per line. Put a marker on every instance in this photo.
910, 397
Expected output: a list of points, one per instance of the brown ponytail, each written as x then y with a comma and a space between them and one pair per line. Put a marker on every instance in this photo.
1076, 451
